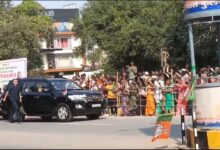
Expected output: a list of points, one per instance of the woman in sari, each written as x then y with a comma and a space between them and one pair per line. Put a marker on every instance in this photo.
159, 85
124, 90
150, 108
181, 101
169, 97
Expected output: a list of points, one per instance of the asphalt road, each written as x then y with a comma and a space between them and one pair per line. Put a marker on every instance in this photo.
107, 132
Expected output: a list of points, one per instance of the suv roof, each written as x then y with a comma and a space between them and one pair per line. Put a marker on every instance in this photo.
42, 79
51, 79
36, 79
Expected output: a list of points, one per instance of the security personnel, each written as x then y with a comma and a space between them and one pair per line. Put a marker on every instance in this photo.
14, 94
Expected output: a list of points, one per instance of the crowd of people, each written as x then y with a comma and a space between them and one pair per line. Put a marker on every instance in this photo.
146, 93
130, 92
208, 75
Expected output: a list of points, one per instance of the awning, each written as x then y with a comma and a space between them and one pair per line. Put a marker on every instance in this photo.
65, 70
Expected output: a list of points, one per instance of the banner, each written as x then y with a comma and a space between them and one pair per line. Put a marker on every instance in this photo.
197, 9
163, 127
11, 69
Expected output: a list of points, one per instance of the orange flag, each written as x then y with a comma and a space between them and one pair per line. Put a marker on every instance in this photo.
163, 127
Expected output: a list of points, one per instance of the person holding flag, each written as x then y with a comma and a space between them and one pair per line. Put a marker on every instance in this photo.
181, 100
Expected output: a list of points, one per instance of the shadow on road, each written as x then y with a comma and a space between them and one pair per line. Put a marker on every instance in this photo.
38, 119
55, 120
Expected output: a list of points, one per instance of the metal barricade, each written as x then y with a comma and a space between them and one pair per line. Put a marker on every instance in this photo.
142, 103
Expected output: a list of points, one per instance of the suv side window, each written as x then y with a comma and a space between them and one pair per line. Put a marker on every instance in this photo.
43, 86
29, 86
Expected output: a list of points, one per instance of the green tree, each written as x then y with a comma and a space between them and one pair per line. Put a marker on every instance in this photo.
205, 44
22, 28
205, 36
137, 30
129, 30
5, 4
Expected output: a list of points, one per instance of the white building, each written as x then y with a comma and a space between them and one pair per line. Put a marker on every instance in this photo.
59, 57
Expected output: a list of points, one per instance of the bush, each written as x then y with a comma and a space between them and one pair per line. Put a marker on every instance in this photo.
36, 73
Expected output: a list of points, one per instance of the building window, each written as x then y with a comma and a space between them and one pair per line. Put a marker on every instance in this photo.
62, 43
51, 61
63, 61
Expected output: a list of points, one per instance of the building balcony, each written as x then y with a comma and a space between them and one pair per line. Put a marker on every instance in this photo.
65, 71
61, 60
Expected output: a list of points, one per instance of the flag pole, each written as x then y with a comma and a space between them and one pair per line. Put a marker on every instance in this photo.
183, 126
193, 66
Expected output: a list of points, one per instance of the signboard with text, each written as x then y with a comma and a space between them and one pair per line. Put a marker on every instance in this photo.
13, 68
62, 15
195, 9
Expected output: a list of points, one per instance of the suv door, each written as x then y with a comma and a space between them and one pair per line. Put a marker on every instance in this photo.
28, 92
44, 99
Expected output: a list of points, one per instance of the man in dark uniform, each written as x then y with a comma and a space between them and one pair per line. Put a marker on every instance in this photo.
14, 94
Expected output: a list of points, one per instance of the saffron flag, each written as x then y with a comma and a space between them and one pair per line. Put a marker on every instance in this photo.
163, 127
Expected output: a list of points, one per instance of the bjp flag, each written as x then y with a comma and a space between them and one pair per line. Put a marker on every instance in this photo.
163, 127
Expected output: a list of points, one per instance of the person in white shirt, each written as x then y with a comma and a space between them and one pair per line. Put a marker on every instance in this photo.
159, 85
185, 76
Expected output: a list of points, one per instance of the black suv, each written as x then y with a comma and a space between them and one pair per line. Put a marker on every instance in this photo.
58, 97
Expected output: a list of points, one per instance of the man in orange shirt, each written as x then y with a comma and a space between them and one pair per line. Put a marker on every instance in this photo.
112, 97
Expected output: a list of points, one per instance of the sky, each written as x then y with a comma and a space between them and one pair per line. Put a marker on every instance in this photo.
51, 4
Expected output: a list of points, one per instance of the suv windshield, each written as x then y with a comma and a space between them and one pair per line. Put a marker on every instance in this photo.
64, 84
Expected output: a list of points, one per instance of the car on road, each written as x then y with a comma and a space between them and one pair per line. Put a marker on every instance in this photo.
58, 97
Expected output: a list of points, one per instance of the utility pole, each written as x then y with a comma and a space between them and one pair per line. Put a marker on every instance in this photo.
193, 66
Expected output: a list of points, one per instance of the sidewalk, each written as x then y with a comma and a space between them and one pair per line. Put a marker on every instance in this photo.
188, 119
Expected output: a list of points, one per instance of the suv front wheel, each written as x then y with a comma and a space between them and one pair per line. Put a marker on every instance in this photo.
63, 113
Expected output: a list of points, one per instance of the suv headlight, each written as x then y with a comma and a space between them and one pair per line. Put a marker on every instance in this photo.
77, 97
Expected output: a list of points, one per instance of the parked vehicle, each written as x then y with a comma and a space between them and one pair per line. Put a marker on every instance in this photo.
58, 97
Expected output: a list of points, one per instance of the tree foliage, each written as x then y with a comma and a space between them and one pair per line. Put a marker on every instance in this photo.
22, 28
37, 73
129, 30
5, 4
205, 36
138, 30
205, 44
